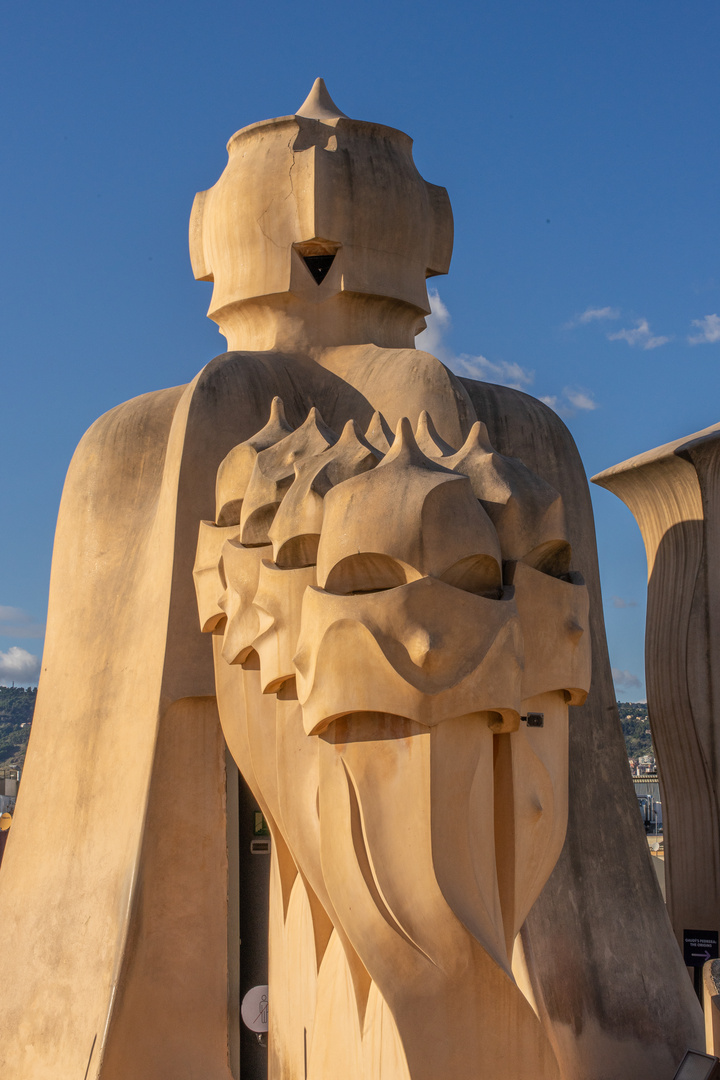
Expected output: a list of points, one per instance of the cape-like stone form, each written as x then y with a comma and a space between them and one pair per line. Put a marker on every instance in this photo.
673, 493
409, 839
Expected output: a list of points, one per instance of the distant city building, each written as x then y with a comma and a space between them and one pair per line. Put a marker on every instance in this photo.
647, 790
9, 783
643, 766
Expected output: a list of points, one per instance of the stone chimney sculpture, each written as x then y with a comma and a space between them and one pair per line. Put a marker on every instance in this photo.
671, 490
396, 579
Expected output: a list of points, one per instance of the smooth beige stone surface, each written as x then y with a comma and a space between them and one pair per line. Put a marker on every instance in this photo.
100, 929
95, 916
672, 491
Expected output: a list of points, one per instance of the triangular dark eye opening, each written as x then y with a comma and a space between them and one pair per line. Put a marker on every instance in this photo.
318, 265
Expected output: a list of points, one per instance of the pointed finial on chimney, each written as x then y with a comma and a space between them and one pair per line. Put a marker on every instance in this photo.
318, 105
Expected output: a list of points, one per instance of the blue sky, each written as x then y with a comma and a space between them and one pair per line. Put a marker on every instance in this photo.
579, 145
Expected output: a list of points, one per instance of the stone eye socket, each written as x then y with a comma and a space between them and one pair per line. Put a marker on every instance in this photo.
366, 572
552, 558
318, 256
318, 265
478, 574
369, 572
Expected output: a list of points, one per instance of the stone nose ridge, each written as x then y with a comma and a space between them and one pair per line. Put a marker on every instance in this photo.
318, 105
419, 646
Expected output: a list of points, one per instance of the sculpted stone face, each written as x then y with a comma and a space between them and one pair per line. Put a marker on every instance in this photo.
407, 561
345, 560
432, 655
386, 619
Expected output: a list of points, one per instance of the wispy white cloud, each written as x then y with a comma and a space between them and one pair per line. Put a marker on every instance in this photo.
580, 399
619, 602
570, 401
505, 372
431, 340
592, 314
625, 680
14, 622
438, 322
709, 328
641, 335
19, 666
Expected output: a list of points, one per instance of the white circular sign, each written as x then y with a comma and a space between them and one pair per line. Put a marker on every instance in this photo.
254, 1009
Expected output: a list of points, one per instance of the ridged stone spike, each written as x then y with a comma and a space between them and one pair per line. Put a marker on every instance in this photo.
379, 433
407, 452
428, 439
318, 105
235, 470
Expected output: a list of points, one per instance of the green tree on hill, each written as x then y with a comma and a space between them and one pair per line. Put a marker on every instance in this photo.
636, 728
17, 704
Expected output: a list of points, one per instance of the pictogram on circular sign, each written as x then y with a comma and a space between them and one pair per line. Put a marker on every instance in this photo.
254, 1009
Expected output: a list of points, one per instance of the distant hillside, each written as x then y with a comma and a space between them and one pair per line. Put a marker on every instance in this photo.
636, 729
16, 708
